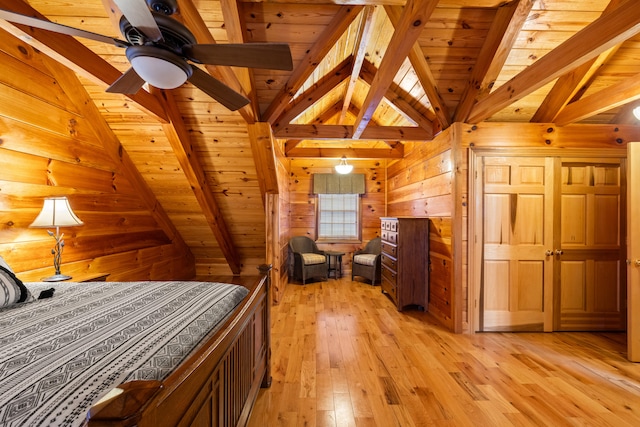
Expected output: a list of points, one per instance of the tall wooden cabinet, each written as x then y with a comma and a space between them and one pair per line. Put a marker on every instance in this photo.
405, 261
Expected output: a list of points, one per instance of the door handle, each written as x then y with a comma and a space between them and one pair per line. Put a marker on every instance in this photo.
548, 252
637, 263
559, 252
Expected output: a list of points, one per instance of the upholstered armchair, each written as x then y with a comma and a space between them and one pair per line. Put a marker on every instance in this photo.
366, 262
308, 260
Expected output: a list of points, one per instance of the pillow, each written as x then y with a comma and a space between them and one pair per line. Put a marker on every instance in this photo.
12, 290
4, 264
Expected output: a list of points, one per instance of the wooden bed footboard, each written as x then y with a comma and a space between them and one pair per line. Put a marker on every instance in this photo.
216, 386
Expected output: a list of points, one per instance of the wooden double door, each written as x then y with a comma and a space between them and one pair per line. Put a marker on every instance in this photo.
552, 251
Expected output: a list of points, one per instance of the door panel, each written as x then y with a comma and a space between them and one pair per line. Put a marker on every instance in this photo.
546, 269
590, 256
518, 212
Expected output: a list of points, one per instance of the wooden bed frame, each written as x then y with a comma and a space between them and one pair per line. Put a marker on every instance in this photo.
216, 386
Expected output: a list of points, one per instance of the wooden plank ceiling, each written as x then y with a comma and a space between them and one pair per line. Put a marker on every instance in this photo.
367, 76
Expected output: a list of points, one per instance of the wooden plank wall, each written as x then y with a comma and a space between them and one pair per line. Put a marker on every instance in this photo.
281, 270
421, 185
303, 201
49, 148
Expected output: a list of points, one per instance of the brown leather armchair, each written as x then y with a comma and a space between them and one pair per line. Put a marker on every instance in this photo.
367, 262
308, 260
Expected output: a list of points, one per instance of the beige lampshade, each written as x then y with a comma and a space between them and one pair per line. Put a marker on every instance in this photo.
56, 212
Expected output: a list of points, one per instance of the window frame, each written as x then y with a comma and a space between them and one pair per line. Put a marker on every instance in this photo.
332, 239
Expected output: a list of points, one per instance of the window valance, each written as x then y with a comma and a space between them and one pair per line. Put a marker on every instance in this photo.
329, 183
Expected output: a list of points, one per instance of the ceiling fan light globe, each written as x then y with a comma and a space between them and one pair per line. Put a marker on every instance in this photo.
636, 112
343, 167
158, 67
159, 73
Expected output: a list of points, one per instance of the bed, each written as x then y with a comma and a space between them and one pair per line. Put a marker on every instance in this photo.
135, 353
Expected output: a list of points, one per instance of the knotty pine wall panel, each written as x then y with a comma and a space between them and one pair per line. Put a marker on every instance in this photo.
421, 185
221, 142
48, 148
282, 225
303, 201
150, 150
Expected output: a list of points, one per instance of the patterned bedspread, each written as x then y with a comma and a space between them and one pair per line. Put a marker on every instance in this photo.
59, 355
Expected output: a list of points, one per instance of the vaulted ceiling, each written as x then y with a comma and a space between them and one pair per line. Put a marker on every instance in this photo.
367, 75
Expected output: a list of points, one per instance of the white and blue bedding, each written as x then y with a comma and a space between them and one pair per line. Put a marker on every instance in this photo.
61, 354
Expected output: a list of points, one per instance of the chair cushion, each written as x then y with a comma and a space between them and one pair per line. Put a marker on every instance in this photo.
365, 259
310, 259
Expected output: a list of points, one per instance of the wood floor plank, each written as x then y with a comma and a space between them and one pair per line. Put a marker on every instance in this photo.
344, 356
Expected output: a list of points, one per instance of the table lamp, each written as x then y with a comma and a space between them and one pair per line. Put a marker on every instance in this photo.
56, 212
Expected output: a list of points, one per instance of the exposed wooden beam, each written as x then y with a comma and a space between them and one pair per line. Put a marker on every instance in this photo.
396, 152
375, 133
548, 135
362, 41
324, 117
316, 92
354, 111
320, 48
178, 136
601, 35
263, 148
572, 85
503, 33
625, 115
191, 18
74, 55
415, 15
74, 90
613, 96
327, 114
236, 30
424, 74
568, 87
399, 98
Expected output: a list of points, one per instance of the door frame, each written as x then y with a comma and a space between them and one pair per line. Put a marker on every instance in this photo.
475, 214
633, 254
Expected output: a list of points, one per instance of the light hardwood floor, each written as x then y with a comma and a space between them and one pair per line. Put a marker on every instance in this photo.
343, 356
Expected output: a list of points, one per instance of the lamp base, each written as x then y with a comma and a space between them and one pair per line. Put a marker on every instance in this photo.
56, 278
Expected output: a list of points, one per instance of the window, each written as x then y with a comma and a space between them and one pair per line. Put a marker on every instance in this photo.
338, 217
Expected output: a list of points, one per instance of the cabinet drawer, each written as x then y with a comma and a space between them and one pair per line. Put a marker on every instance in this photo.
389, 275
389, 224
392, 237
390, 249
389, 262
389, 287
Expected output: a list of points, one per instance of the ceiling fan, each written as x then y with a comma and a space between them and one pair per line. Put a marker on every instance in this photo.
160, 50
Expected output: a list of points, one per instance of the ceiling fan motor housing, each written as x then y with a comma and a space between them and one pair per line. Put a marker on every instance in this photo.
175, 35
166, 7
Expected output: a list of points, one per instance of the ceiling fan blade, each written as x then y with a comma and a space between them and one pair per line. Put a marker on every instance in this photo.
18, 18
217, 90
129, 83
140, 17
273, 56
